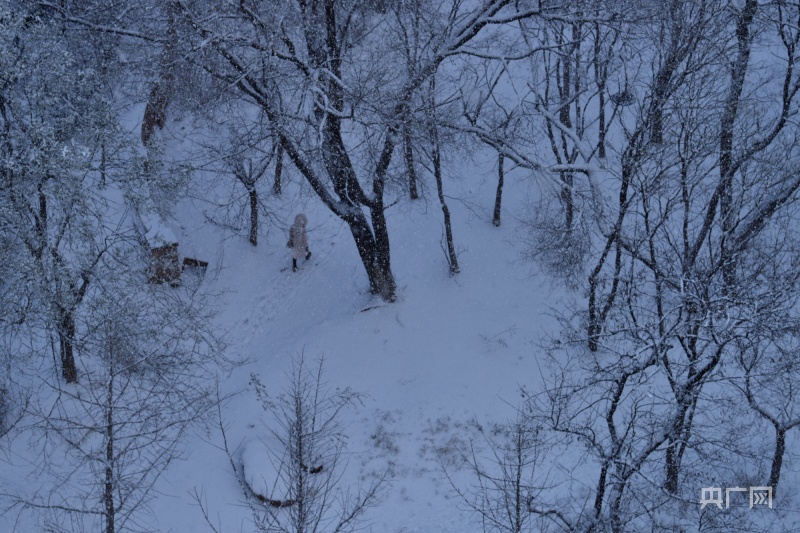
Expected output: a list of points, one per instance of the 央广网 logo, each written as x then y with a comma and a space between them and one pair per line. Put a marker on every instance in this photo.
759, 496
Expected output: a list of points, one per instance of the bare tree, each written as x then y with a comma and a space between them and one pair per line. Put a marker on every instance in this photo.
307, 494
769, 382
51, 215
673, 286
436, 160
248, 172
309, 66
498, 198
146, 384
505, 485
497, 124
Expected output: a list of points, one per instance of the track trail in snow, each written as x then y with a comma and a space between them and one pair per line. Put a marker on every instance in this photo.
284, 304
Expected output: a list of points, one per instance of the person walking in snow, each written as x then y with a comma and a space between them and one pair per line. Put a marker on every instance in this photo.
298, 240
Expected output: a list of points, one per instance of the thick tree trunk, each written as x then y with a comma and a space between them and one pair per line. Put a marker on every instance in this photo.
676, 443
66, 341
657, 128
277, 185
498, 198
253, 216
375, 258
373, 248
155, 111
374, 252
672, 467
386, 283
372, 243
659, 99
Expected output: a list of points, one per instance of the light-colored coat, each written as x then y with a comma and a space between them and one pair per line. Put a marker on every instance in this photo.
297, 234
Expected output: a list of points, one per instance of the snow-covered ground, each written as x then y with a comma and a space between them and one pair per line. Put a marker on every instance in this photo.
436, 369
448, 356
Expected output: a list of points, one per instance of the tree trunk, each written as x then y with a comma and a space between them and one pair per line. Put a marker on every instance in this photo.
498, 198
108, 492
386, 283
601, 125
601, 491
726, 141
372, 248
448, 230
41, 222
672, 467
657, 109
381, 280
409, 155
777, 459
155, 111
66, 340
372, 243
676, 443
253, 216
277, 186
567, 178
452, 259
103, 164
600, 74
374, 255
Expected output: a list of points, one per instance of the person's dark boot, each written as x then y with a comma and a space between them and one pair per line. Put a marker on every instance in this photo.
294, 265
308, 255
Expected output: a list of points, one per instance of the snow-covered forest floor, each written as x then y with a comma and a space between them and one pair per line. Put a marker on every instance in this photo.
438, 369
612, 350
443, 361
